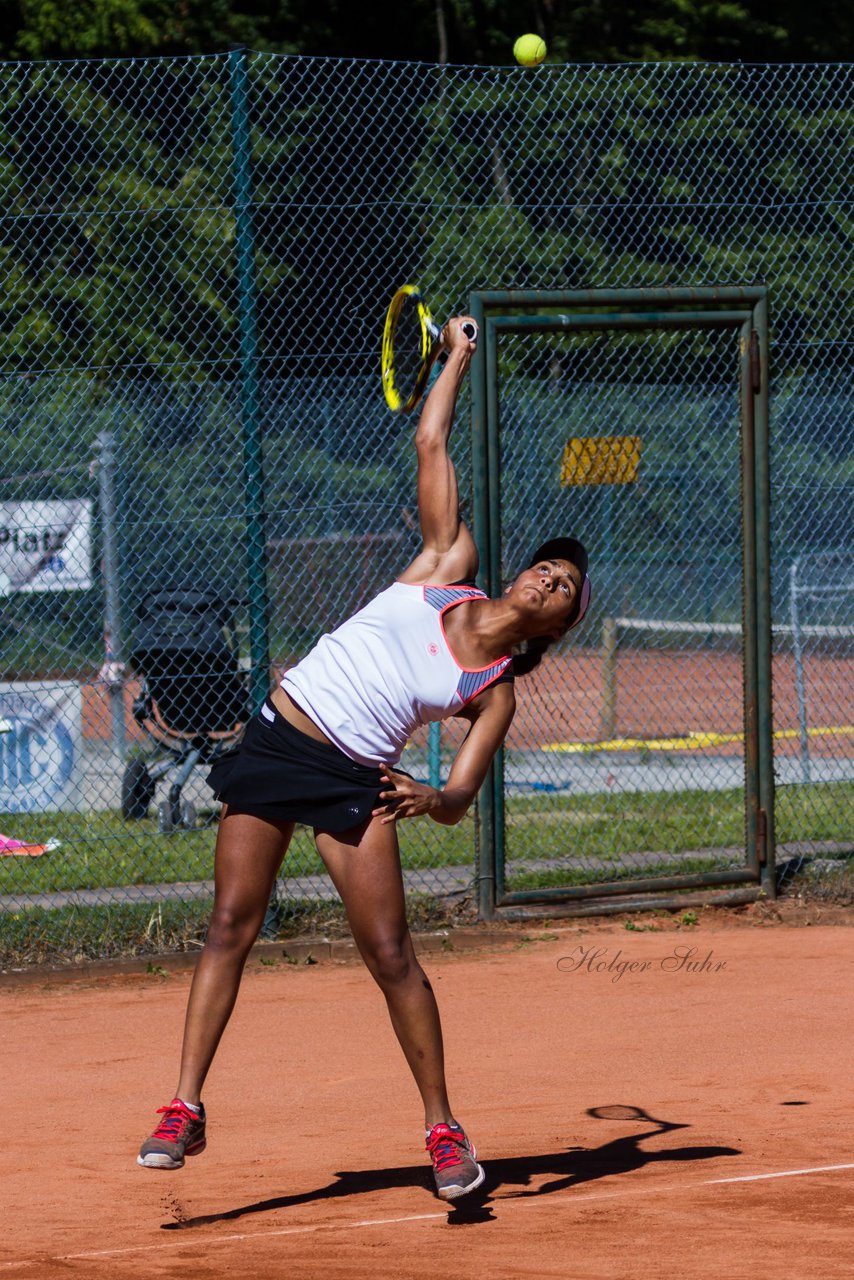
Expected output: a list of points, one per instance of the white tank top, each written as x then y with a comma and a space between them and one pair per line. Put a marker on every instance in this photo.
370, 683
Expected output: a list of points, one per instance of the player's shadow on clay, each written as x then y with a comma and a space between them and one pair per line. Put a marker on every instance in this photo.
561, 1170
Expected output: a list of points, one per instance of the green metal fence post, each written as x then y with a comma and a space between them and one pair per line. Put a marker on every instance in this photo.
479, 445
253, 464
493, 457
481, 530
753, 808
496, 585
434, 754
253, 456
764, 661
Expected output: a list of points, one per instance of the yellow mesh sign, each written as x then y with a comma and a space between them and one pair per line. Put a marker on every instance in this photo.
601, 460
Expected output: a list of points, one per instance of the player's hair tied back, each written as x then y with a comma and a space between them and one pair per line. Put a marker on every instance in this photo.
531, 656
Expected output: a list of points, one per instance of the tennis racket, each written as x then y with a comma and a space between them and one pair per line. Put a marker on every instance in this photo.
412, 343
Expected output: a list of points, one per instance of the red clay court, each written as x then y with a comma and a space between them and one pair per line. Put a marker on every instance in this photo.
742, 1167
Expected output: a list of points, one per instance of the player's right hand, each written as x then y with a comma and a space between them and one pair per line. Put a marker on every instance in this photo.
407, 798
454, 337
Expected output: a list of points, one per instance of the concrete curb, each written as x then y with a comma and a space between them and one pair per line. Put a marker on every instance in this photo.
296, 951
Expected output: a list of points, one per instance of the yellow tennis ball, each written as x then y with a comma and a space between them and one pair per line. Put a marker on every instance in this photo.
529, 50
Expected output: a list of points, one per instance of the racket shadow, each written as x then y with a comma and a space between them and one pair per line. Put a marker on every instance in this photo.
621, 1155
506, 1178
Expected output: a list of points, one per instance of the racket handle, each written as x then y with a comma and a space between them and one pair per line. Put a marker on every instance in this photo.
469, 328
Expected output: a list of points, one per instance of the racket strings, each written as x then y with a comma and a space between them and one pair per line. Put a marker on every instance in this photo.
407, 348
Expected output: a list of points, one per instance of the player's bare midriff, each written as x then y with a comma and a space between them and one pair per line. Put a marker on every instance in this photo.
285, 705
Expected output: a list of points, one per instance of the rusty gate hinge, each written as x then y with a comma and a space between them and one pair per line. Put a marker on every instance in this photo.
755, 363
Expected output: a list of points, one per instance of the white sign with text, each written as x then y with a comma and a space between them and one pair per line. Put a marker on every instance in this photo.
46, 546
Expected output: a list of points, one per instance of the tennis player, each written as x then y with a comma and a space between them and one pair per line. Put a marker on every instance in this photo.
324, 750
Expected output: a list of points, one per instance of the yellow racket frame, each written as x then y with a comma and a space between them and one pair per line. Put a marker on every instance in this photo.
394, 397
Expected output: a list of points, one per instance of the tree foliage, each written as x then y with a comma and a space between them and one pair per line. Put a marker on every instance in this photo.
455, 31
121, 305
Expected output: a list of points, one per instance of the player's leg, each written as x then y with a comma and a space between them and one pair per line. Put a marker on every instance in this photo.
365, 868
249, 852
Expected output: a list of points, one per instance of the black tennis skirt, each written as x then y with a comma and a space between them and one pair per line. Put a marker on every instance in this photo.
279, 773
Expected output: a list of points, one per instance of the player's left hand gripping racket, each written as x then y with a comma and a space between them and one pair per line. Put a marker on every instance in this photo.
412, 342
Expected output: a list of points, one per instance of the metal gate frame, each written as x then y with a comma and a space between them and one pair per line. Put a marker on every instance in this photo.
534, 310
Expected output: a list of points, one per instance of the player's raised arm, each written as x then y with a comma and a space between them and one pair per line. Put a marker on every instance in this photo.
448, 552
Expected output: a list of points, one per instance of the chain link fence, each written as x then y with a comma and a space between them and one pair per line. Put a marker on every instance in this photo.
626, 758
198, 254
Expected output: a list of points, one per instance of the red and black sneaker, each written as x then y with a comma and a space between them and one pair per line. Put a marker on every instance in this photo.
180, 1133
455, 1165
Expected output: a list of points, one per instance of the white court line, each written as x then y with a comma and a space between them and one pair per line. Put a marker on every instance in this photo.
787, 1173
504, 1201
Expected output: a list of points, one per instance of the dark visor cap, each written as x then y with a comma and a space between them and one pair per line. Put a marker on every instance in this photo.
572, 550
562, 549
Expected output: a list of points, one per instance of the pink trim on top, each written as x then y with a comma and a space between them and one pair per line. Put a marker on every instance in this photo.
468, 593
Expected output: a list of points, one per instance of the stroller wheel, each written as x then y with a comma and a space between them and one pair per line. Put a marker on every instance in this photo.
188, 814
165, 818
137, 790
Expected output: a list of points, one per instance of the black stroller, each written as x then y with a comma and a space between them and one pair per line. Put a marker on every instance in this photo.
193, 701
